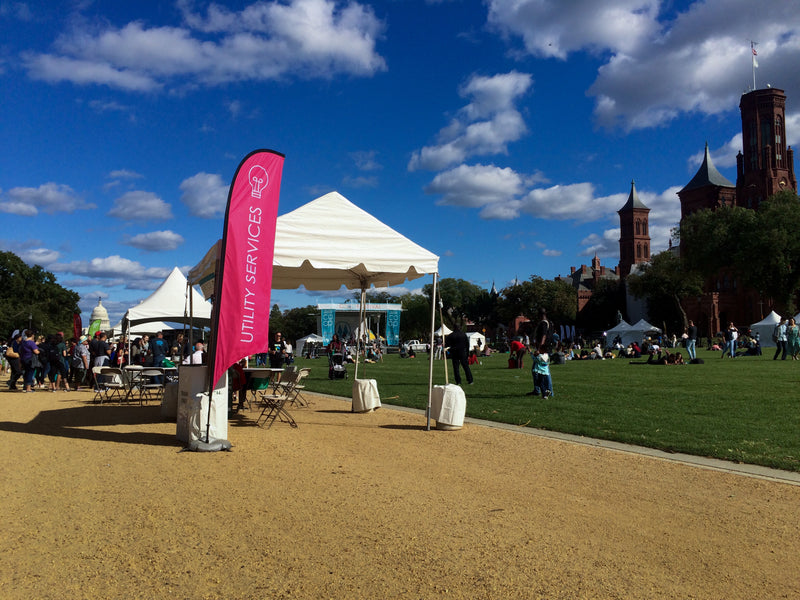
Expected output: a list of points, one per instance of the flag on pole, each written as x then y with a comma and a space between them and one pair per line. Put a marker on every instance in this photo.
753, 48
77, 325
240, 323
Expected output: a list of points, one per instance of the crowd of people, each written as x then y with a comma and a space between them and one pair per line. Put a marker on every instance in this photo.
53, 362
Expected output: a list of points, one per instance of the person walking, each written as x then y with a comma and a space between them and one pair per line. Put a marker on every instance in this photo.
792, 339
780, 339
691, 340
459, 349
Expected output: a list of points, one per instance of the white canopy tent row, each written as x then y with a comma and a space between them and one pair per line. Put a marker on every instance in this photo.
630, 333
329, 243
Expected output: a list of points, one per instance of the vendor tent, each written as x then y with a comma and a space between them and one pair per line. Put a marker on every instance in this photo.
149, 328
329, 243
475, 337
765, 327
625, 332
311, 337
171, 302
443, 331
641, 329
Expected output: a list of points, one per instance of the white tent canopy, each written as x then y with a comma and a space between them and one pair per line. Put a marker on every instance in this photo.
299, 344
443, 331
330, 242
170, 302
641, 328
625, 332
475, 337
151, 327
765, 327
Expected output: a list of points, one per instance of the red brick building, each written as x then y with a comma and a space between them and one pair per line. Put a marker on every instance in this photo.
765, 167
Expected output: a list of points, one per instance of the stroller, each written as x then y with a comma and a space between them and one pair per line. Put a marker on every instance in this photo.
336, 368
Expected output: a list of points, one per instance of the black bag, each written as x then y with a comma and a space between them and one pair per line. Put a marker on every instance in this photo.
35, 362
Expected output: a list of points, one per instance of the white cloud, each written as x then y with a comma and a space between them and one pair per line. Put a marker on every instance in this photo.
492, 188
39, 256
553, 28
114, 270
266, 40
485, 126
659, 65
124, 174
205, 194
551, 252
155, 241
140, 206
49, 197
365, 160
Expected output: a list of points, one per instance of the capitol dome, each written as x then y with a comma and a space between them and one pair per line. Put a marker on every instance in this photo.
100, 313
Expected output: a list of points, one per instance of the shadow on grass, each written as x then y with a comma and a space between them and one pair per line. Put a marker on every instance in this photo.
75, 423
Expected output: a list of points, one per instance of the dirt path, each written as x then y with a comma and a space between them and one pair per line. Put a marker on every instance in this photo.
99, 502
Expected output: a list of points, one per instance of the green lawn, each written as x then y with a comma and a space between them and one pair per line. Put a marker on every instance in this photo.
745, 410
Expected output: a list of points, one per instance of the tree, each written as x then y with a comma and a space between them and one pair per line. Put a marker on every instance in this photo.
299, 322
458, 297
558, 298
664, 281
415, 322
276, 322
608, 298
31, 295
760, 247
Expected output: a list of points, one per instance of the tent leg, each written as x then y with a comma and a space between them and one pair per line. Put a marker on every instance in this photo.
430, 354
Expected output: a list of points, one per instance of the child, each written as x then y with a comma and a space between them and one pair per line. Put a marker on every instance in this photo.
542, 382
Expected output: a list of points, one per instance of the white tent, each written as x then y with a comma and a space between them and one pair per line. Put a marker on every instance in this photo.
443, 331
475, 337
625, 332
765, 327
151, 328
299, 344
170, 302
329, 243
641, 328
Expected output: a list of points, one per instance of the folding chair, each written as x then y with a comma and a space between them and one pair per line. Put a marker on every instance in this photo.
295, 397
98, 382
152, 384
113, 381
258, 386
275, 403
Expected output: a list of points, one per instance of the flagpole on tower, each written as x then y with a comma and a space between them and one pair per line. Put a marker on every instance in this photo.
755, 62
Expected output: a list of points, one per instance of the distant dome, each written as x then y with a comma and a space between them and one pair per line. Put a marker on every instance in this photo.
100, 312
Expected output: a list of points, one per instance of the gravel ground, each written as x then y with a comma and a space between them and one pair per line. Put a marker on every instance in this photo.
100, 502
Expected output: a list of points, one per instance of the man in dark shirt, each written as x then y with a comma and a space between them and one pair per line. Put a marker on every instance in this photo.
459, 350
159, 349
99, 350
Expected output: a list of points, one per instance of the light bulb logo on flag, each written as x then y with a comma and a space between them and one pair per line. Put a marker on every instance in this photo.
259, 179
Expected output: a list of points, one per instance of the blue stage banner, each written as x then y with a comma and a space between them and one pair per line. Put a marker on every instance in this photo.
392, 327
327, 319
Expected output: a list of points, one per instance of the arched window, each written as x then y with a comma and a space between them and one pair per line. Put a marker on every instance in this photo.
644, 227
637, 227
646, 251
638, 251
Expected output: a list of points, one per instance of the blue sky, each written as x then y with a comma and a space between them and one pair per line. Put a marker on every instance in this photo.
500, 135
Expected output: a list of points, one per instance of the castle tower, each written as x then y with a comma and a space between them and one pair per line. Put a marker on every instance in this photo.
767, 166
634, 238
707, 189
